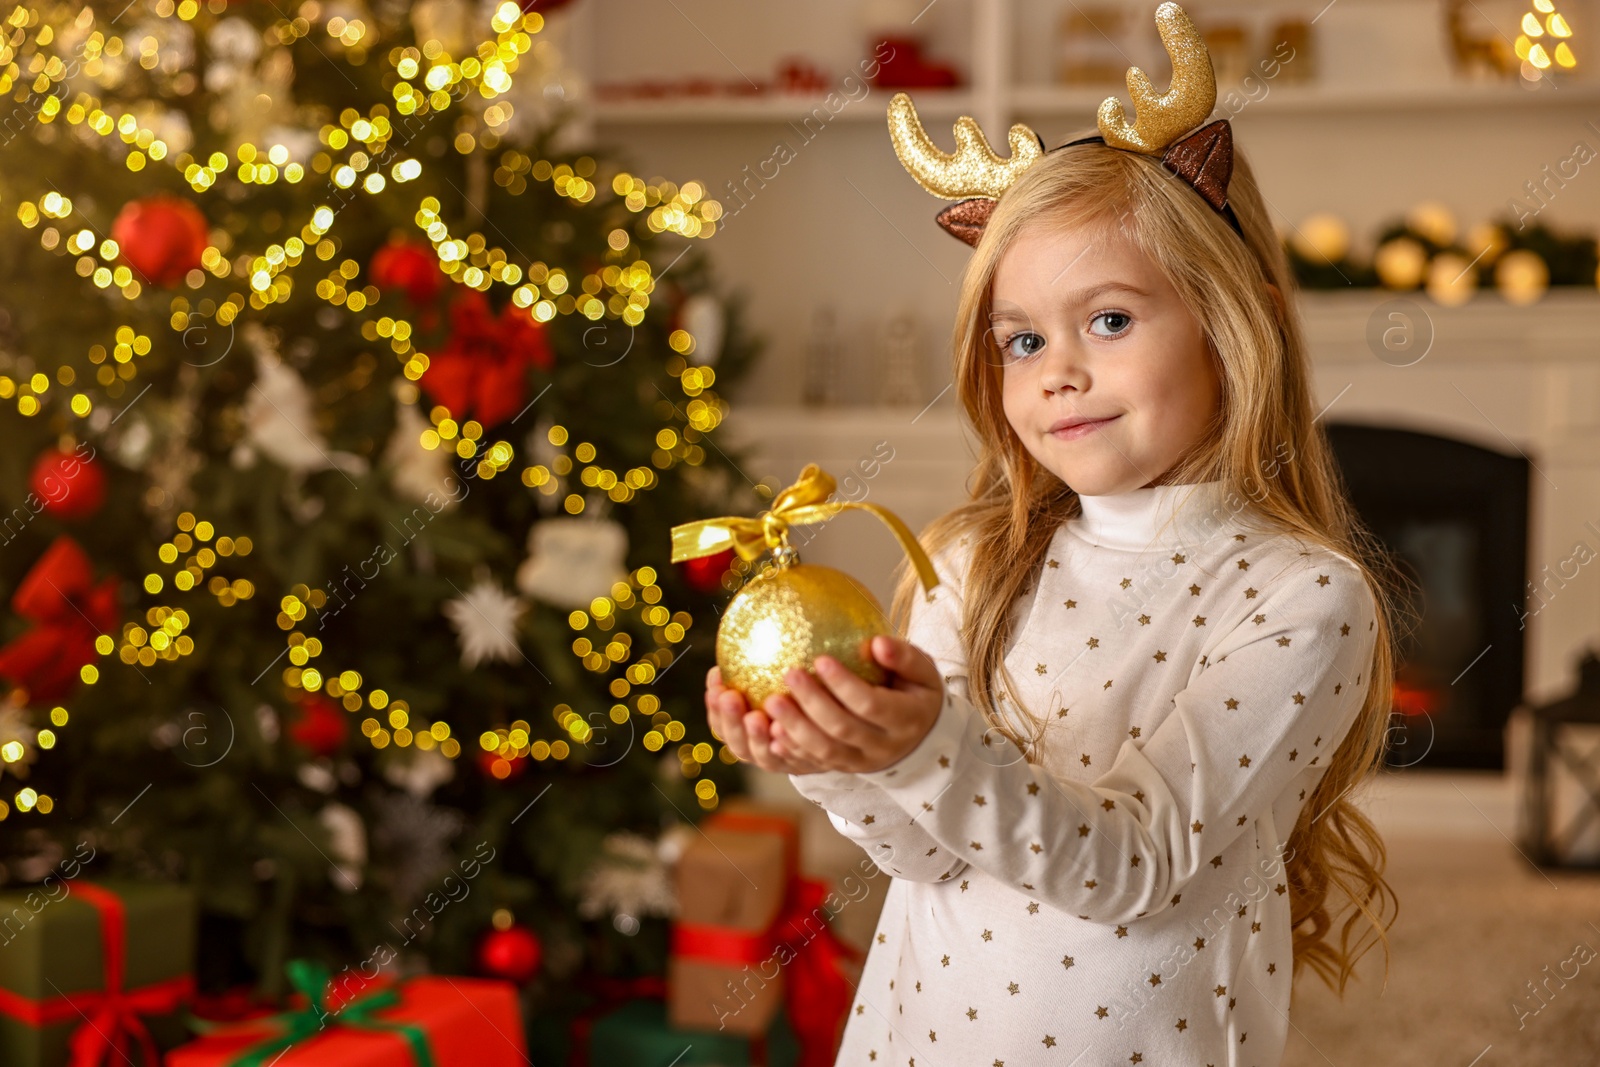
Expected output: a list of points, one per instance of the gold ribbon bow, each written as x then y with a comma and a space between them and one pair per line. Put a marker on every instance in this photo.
804, 502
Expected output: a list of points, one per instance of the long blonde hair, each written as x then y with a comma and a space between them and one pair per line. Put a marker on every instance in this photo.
1015, 506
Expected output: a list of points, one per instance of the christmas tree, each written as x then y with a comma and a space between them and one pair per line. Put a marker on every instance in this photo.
346, 415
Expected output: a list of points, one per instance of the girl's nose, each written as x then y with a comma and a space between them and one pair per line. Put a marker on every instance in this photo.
1061, 370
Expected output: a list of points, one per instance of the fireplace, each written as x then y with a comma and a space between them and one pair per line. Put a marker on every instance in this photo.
1455, 517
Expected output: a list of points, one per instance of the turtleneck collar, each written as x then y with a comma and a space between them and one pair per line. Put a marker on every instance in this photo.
1157, 516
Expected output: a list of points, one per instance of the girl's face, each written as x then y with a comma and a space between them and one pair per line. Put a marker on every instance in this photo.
1088, 328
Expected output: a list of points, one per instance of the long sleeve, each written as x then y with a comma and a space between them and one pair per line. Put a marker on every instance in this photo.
861, 809
872, 819
1277, 694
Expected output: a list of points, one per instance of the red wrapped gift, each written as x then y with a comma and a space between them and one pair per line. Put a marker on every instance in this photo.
425, 1022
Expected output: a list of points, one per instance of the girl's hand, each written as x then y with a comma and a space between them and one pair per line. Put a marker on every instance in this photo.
747, 732
840, 722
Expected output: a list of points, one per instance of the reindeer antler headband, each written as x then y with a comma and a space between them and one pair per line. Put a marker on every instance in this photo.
975, 177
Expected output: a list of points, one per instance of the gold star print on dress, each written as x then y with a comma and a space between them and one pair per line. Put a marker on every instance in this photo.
1123, 894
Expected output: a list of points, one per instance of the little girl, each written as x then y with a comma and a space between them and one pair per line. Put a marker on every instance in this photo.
1111, 771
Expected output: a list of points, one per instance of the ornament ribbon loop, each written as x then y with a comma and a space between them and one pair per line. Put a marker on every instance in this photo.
801, 504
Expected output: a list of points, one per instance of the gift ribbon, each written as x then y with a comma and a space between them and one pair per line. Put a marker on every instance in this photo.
111, 1016
311, 979
803, 503
817, 995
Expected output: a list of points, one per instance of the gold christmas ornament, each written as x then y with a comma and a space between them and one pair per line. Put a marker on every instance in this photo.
1522, 277
1434, 221
792, 612
1322, 236
787, 617
1401, 263
1452, 279
1484, 242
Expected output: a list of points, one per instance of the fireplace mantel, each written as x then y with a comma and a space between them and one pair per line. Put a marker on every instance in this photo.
1503, 377
1563, 326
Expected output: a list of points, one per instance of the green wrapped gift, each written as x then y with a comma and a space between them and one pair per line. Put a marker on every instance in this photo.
93, 973
639, 1035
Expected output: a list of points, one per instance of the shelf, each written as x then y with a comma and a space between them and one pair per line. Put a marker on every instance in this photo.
1084, 102
777, 107
1559, 328
998, 94
1312, 99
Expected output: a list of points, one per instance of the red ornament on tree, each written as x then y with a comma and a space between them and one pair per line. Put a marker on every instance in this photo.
161, 237
69, 485
512, 952
705, 572
407, 265
493, 765
68, 611
320, 727
482, 370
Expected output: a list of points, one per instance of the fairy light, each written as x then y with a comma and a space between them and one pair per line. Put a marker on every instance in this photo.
397, 726
163, 636
429, 79
476, 264
1543, 41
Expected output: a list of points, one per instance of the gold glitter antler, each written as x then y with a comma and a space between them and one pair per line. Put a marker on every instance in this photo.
973, 170
1163, 117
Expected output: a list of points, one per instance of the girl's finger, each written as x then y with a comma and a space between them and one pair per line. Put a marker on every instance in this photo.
820, 706
907, 661
733, 713
798, 762
803, 736
851, 691
784, 756
758, 729
714, 716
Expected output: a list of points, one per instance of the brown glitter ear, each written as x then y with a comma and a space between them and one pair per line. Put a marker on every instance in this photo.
1204, 159
967, 218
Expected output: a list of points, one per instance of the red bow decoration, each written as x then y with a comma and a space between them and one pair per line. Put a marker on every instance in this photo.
68, 612
818, 993
320, 726
481, 372
111, 1024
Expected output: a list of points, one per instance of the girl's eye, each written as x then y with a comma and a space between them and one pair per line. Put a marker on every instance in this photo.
1120, 317
1023, 345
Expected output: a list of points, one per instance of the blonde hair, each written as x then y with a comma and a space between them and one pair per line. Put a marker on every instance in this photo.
1015, 506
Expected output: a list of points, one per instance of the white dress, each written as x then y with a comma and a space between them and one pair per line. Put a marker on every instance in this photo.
1122, 900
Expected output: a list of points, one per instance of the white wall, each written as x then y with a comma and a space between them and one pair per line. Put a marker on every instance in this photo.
844, 224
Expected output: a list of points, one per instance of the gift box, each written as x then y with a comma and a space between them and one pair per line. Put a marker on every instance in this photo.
93, 973
752, 938
434, 1021
731, 886
639, 1034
